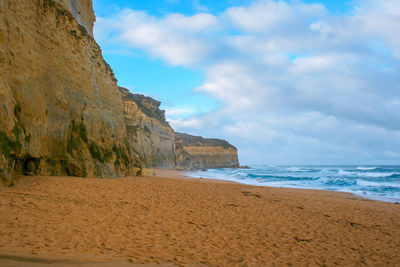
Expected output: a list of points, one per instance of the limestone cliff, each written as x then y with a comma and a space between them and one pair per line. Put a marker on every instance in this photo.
82, 10
149, 134
60, 108
195, 152
183, 159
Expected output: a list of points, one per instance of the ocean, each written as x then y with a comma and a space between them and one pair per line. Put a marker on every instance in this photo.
374, 182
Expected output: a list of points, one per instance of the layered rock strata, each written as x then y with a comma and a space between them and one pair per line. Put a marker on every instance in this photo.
60, 109
196, 152
149, 134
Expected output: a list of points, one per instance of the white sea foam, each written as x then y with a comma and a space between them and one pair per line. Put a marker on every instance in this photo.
381, 183
343, 172
366, 168
375, 174
387, 197
366, 174
377, 184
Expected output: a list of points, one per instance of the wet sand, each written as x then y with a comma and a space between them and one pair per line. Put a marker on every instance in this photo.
177, 221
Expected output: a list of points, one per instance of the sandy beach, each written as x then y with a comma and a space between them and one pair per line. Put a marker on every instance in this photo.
170, 220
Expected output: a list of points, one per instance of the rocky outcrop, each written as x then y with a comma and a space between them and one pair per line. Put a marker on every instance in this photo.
196, 152
60, 109
149, 134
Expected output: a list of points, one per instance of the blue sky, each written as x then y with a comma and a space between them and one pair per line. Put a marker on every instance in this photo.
287, 82
172, 85
189, 7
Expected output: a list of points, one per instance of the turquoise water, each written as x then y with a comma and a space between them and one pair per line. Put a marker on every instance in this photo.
375, 182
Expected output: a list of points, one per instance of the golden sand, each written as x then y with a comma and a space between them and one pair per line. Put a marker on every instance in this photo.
179, 221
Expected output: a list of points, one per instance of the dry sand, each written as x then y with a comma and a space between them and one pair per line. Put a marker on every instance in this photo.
64, 221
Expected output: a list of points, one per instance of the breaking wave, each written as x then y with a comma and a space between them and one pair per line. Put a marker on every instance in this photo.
377, 182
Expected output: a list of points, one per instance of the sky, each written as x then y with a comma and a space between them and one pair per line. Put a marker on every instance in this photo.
286, 82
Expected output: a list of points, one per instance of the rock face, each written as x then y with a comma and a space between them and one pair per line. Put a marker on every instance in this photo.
60, 109
82, 10
183, 159
61, 112
195, 152
149, 134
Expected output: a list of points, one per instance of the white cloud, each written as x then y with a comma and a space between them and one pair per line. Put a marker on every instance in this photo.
192, 123
237, 85
294, 82
321, 27
269, 15
381, 18
180, 112
195, 23
171, 38
312, 64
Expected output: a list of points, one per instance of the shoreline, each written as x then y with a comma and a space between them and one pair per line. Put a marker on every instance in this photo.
380, 199
176, 220
386, 199
173, 174
343, 194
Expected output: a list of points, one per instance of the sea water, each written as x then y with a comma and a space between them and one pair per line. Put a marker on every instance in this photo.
375, 182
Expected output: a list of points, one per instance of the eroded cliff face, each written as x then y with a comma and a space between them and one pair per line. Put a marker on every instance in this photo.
183, 159
82, 10
60, 109
149, 134
195, 152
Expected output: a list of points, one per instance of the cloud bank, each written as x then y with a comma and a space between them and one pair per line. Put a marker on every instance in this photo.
296, 84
